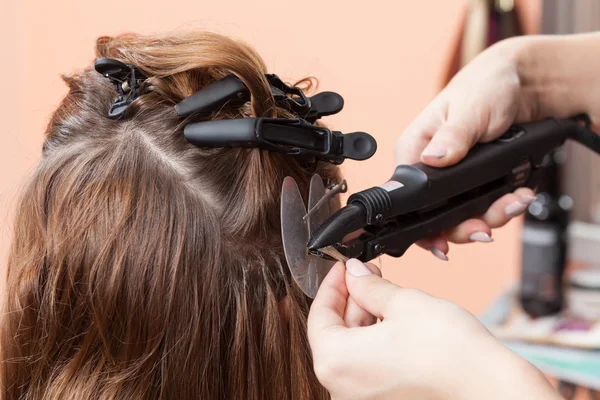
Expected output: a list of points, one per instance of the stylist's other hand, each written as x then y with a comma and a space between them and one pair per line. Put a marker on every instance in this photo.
478, 105
424, 348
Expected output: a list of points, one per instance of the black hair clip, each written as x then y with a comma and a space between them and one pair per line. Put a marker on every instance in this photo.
290, 97
126, 79
232, 92
294, 137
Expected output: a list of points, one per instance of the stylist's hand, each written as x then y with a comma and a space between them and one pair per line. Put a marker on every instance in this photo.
424, 348
478, 105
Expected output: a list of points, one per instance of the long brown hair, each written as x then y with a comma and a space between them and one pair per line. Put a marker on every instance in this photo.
143, 267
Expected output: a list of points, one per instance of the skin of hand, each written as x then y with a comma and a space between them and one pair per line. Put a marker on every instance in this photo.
518, 80
423, 348
478, 105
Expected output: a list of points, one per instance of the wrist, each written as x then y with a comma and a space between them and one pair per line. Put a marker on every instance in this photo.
557, 74
539, 88
523, 54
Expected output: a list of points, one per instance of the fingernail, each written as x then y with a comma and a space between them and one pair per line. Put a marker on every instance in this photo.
480, 237
527, 199
357, 268
435, 150
438, 253
514, 209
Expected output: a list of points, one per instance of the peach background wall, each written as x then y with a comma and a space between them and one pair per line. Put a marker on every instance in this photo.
384, 57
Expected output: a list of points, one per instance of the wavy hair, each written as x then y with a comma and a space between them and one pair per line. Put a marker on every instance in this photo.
143, 267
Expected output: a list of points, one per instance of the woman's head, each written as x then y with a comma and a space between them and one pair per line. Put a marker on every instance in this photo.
144, 267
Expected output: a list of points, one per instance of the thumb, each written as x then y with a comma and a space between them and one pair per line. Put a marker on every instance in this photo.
450, 144
327, 309
370, 291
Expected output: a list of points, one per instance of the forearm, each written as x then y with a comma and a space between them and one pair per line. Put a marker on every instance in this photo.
560, 75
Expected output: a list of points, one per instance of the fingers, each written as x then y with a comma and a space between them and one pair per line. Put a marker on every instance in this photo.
480, 229
500, 213
438, 246
417, 135
329, 305
355, 316
370, 291
409, 147
472, 230
508, 207
449, 145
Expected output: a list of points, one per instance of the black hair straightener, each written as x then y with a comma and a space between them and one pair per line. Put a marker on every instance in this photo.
421, 201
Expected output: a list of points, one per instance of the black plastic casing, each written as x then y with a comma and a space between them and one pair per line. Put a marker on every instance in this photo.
294, 137
229, 90
420, 201
425, 186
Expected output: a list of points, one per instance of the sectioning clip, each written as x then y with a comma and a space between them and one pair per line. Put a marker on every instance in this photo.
294, 137
290, 97
126, 79
324, 104
231, 91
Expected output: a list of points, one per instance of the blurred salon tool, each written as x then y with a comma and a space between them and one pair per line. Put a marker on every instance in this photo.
484, 23
583, 293
567, 354
544, 236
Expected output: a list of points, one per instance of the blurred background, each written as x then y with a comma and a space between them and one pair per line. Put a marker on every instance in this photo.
388, 60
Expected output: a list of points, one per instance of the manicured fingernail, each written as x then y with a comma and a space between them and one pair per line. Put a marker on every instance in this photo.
514, 209
357, 268
438, 253
480, 237
527, 199
435, 150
